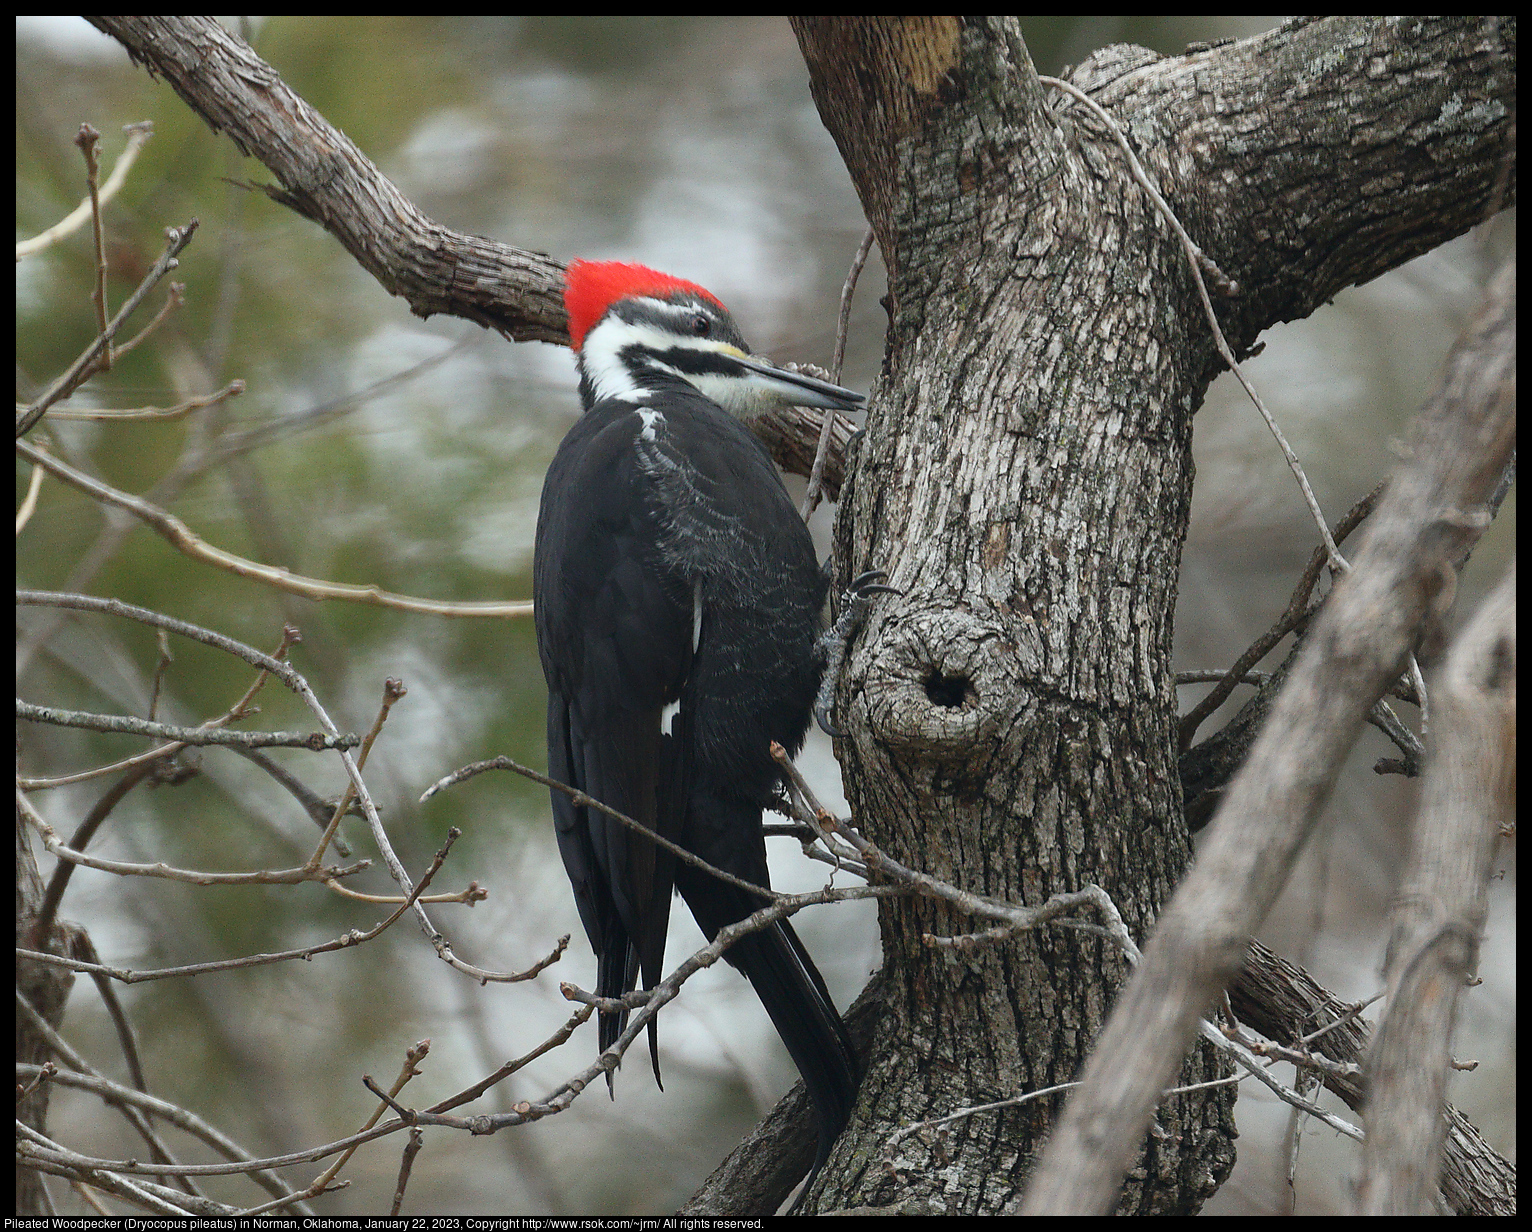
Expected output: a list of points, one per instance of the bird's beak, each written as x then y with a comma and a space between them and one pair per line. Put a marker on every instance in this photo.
796, 388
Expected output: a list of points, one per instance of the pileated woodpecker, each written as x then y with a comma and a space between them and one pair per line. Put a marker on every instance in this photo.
678, 603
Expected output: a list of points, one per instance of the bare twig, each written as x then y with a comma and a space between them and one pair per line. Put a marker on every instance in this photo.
86, 365
1380, 716
584, 801
174, 300
556, 1040
47, 912
935, 1122
1252, 1065
159, 414
115, 607
86, 141
177, 533
286, 876
138, 136
1014, 919
126, 1038
1297, 612
126, 724
393, 690
413, 1056
406, 1162
311, 1154
28, 505
816, 472
151, 759
1301, 1058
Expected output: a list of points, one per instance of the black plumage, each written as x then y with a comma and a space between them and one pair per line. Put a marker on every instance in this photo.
678, 604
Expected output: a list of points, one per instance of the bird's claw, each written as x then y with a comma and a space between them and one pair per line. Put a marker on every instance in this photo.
826, 724
871, 583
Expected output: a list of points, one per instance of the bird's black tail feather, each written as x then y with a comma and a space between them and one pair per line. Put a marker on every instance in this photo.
790, 987
793, 992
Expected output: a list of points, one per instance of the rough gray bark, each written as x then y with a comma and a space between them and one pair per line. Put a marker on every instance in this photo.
1025, 479
1394, 597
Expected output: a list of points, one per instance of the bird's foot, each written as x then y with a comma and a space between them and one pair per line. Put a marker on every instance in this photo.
855, 606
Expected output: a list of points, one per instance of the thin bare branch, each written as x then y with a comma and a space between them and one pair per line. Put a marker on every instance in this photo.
138, 137
126, 724
585, 801
179, 535
816, 472
86, 365
265, 876
160, 414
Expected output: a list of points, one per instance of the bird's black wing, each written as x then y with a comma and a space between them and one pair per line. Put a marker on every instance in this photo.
614, 634
752, 680
672, 567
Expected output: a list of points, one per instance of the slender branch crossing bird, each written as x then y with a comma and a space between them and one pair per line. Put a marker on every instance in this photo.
678, 603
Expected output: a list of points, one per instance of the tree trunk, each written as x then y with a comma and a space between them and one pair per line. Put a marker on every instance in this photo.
1025, 478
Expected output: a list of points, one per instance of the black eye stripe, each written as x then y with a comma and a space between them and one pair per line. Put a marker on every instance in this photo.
693, 362
684, 319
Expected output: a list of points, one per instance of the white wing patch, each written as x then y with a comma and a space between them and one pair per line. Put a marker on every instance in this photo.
668, 714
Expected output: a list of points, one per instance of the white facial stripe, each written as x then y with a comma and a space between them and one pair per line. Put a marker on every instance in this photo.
743, 398
601, 362
601, 355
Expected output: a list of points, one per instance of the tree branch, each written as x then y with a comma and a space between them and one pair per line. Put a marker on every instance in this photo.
323, 176
1439, 913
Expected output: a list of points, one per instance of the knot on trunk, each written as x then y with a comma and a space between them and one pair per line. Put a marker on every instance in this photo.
944, 682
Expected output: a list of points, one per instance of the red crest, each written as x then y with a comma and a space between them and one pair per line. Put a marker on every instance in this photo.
591, 287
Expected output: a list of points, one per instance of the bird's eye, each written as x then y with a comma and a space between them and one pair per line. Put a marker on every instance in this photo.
701, 326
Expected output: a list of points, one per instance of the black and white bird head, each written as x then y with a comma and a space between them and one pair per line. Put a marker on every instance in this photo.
633, 328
